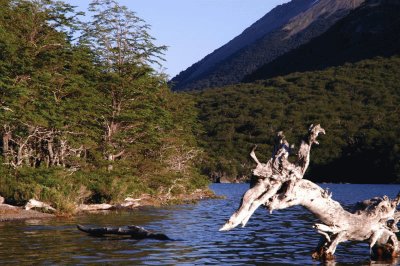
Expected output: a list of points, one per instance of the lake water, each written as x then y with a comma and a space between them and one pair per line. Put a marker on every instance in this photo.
285, 237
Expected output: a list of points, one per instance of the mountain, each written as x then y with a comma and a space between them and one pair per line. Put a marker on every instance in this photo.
371, 30
284, 28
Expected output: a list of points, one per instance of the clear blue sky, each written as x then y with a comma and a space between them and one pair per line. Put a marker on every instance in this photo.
193, 28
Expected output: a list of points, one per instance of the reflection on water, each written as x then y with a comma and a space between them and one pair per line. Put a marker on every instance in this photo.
285, 237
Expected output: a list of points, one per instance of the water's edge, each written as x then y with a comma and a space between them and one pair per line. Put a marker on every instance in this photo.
284, 237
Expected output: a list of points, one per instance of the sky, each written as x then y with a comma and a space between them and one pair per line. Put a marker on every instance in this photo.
193, 28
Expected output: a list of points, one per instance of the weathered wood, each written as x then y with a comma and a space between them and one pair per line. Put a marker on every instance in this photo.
95, 207
32, 204
273, 174
339, 225
133, 231
280, 186
128, 203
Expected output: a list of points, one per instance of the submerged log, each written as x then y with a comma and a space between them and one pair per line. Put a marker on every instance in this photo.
133, 231
280, 186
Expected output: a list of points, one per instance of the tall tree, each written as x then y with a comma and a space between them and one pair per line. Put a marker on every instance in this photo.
124, 52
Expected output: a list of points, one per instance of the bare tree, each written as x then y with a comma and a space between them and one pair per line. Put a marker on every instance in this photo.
280, 185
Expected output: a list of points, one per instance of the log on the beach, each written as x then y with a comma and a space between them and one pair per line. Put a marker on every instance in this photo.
128, 203
35, 204
95, 207
133, 231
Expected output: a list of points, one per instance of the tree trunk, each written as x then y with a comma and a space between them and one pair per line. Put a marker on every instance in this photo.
63, 151
6, 140
20, 154
280, 185
50, 151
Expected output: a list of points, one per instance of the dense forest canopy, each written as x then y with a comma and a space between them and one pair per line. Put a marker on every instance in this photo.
357, 104
88, 120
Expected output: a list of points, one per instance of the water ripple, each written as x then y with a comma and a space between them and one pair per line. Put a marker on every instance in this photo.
284, 237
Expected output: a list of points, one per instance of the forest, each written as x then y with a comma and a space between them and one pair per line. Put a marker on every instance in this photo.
357, 104
84, 117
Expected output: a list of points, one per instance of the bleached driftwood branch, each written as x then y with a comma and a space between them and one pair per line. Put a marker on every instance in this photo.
281, 186
273, 174
32, 203
94, 207
370, 223
128, 203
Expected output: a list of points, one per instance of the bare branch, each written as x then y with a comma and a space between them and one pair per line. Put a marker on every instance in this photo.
281, 186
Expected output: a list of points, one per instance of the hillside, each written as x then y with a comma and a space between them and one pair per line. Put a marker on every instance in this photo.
289, 26
357, 104
371, 30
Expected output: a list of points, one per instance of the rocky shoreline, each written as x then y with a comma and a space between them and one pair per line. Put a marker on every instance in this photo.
18, 213
14, 213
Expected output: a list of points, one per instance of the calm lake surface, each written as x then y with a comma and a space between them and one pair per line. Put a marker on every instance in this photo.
285, 237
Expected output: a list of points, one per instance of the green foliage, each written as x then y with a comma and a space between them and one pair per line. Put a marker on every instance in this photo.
89, 121
357, 104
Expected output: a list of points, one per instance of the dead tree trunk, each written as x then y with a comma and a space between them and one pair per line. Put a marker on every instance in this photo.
6, 140
281, 186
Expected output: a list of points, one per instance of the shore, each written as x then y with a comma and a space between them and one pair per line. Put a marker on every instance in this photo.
13, 213
17, 213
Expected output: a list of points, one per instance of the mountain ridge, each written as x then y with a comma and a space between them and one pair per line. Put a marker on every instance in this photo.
368, 31
272, 20
300, 28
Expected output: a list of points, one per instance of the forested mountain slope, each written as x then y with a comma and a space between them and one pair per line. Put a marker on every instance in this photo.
357, 104
293, 24
371, 30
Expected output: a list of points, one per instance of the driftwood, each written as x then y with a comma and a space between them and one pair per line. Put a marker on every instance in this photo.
128, 203
133, 231
33, 204
95, 207
280, 185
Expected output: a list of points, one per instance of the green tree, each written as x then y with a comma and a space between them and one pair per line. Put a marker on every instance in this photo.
37, 84
89, 121
124, 52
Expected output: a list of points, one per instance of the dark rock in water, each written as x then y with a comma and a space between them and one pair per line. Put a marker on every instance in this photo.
134, 231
